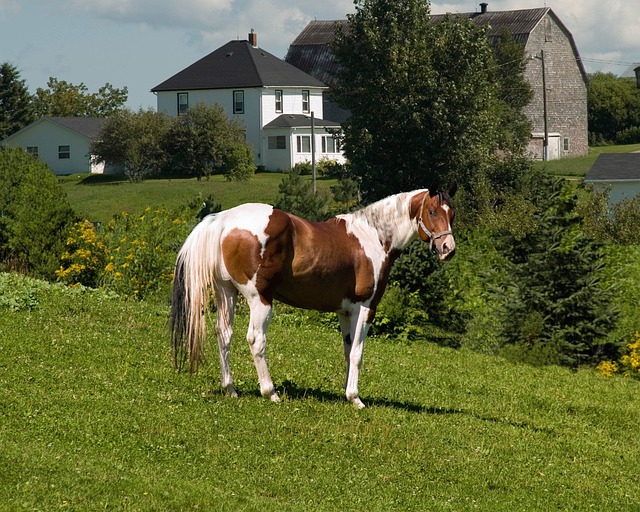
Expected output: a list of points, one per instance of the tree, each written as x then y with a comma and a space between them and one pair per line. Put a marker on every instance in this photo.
613, 106
514, 93
133, 141
65, 99
16, 109
556, 309
295, 195
34, 213
204, 141
421, 98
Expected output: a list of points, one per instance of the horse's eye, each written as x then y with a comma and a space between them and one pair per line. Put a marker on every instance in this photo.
432, 212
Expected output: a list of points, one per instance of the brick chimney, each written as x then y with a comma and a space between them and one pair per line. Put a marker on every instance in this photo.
253, 39
483, 7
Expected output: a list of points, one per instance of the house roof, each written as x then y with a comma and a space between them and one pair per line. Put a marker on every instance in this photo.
310, 50
615, 167
300, 121
86, 126
238, 64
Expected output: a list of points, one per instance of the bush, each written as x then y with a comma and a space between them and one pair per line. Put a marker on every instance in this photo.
296, 196
34, 213
132, 255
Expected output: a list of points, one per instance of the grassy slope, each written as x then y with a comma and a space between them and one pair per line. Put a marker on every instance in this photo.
98, 198
93, 417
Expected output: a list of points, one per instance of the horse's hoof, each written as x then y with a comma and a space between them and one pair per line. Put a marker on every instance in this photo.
274, 397
357, 403
230, 391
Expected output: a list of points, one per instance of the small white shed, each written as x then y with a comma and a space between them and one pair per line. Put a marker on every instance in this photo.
62, 143
620, 172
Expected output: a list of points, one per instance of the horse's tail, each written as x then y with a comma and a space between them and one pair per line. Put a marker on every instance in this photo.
192, 285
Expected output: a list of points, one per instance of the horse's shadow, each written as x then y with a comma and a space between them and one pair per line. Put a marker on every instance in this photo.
292, 391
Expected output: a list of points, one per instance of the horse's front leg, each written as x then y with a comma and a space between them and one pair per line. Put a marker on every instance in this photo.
345, 329
360, 323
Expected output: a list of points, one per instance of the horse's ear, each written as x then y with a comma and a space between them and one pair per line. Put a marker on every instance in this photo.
433, 192
452, 189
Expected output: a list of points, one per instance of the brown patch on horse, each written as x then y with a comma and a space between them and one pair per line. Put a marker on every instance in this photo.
321, 272
241, 253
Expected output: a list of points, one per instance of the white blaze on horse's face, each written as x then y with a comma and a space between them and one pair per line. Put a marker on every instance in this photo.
434, 223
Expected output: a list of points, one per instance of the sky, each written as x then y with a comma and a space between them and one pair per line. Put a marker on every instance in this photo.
141, 43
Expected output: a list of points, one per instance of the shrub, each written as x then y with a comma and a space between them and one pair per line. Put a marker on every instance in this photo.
629, 363
34, 213
132, 255
296, 196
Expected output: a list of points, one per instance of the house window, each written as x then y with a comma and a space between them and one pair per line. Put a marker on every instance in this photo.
277, 142
183, 102
278, 101
238, 102
32, 150
303, 143
565, 144
305, 101
330, 144
64, 152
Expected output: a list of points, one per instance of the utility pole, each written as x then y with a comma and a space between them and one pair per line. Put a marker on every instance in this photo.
545, 143
313, 151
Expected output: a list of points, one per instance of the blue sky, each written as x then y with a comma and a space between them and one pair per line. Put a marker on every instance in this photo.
140, 43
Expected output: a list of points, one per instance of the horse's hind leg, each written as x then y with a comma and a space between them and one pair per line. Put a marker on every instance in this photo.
257, 338
226, 296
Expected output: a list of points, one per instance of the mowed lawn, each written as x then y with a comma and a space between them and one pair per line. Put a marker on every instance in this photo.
93, 417
99, 197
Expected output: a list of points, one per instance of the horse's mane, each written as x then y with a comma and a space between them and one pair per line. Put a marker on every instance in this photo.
390, 217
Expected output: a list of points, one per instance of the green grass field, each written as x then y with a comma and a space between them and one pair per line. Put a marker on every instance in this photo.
99, 197
578, 167
94, 418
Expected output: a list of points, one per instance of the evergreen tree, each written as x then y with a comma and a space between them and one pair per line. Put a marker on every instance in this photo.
296, 196
16, 109
555, 310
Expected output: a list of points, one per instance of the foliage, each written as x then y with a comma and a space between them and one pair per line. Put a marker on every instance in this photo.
613, 106
296, 196
556, 309
64, 99
133, 141
34, 213
132, 255
629, 364
204, 141
514, 93
397, 80
16, 109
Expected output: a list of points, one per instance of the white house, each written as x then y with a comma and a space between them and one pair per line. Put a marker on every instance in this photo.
274, 100
619, 173
62, 143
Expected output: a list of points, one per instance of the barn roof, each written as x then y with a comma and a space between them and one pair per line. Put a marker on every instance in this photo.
238, 64
615, 167
310, 50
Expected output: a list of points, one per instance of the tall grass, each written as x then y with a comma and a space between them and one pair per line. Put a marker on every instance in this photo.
93, 417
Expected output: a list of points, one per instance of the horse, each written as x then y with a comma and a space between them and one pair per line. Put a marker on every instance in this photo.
341, 265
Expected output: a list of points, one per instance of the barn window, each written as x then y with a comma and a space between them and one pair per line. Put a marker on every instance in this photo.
565, 144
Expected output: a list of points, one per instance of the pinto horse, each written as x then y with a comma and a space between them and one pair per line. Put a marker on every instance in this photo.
340, 265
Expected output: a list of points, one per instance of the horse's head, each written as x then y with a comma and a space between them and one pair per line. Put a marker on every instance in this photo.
435, 219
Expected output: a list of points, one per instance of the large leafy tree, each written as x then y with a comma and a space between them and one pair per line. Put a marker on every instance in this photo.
16, 109
421, 97
65, 99
204, 141
613, 105
133, 141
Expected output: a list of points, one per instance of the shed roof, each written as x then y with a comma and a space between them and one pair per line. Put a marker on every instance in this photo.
610, 167
87, 126
238, 64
